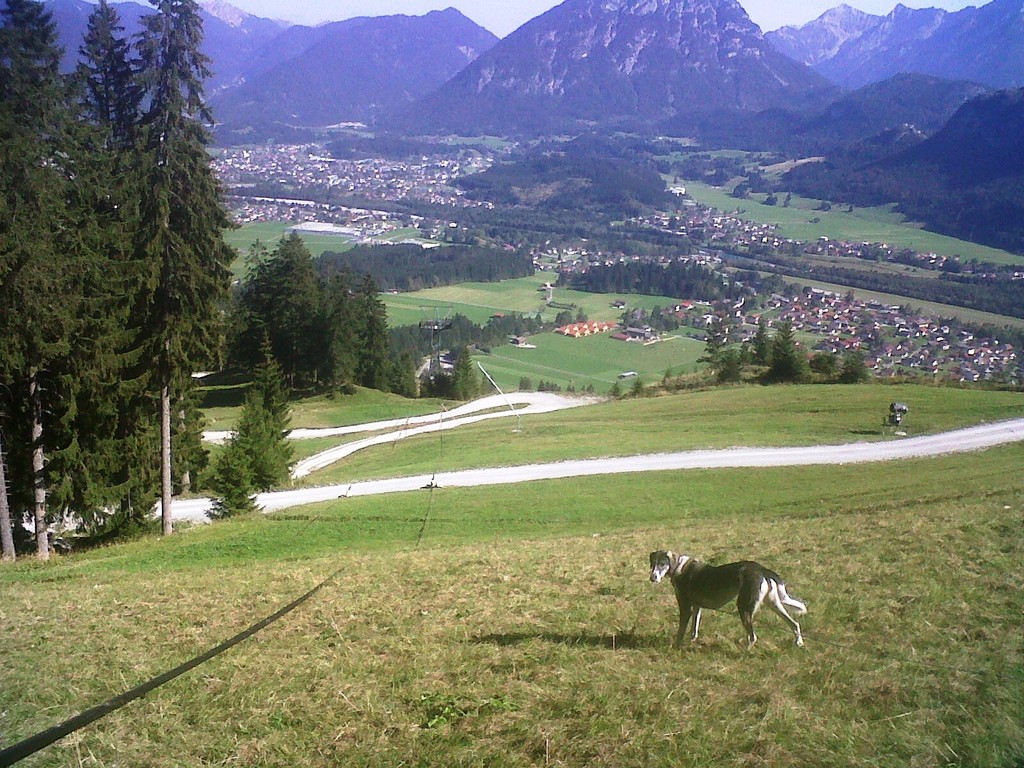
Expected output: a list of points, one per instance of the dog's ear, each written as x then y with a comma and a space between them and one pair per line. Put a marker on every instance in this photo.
654, 557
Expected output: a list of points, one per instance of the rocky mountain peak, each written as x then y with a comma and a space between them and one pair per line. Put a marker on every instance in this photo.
615, 60
226, 12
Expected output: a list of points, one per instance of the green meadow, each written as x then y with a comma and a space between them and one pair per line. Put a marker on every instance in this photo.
526, 296
750, 416
874, 225
516, 626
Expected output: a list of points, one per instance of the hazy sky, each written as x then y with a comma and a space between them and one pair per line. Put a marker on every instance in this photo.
503, 16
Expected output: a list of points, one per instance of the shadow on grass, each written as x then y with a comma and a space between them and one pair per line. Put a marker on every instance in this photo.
611, 642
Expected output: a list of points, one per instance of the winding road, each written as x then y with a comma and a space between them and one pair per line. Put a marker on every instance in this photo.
956, 441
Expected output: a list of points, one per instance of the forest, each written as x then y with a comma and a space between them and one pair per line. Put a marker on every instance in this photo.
115, 286
570, 181
410, 267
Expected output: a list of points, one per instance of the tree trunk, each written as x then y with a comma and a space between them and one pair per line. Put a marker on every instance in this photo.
186, 474
38, 469
6, 536
165, 456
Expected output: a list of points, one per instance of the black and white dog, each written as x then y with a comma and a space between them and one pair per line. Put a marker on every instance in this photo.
699, 586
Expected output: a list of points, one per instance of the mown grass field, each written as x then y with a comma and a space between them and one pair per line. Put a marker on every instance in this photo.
515, 626
874, 225
478, 301
222, 407
751, 416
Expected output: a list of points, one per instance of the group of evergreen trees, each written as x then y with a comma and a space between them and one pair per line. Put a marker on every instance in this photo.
409, 267
327, 333
778, 356
113, 266
679, 277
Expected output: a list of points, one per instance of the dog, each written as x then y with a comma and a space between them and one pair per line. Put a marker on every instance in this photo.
698, 586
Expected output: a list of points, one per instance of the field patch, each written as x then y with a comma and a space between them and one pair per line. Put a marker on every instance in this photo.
873, 225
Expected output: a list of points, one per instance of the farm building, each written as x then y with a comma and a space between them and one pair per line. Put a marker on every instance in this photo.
576, 330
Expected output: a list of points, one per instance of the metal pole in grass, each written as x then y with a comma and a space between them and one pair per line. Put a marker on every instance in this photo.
519, 421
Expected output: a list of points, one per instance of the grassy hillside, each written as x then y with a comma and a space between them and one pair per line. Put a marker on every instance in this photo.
720, 418
515, 626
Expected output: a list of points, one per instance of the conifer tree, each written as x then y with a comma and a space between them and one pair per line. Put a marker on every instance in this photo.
465, 381
339, 357
41, 263
372, 319
181, 217
232, 481
263, 426
715, 341
788, 364
282, 302
761, 346
110, 92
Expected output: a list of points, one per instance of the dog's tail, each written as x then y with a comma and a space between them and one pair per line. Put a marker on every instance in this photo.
790, 602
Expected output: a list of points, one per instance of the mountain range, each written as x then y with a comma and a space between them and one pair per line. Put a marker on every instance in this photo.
621, 62
350, 70
269, 76
852, 48
666, 64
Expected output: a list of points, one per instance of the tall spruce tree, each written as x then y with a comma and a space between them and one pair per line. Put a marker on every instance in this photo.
761, 345
465, 380
111, 95
126, 459
282, 302
339, 357
40, 259
788, 363
263, 427
181, 217
373, 367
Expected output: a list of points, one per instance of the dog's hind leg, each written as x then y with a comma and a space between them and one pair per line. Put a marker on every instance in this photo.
775, 600
747, 617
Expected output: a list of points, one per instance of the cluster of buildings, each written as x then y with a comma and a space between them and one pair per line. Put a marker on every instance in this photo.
257, 169
893, 340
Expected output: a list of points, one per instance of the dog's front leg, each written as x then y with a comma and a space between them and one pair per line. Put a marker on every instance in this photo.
696, 624
684, 619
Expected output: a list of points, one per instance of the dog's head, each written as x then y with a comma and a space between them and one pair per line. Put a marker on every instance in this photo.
664, 563
661, 564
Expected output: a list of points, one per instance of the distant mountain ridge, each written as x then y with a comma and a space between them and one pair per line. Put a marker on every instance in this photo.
982, 142
351, 70
850, 48
271, 78
618, 62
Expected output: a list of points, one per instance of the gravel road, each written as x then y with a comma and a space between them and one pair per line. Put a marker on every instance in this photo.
957, 441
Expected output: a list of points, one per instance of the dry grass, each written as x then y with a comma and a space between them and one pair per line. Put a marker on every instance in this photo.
549, 651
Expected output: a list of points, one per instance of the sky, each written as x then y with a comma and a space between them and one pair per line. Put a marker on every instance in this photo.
503, 16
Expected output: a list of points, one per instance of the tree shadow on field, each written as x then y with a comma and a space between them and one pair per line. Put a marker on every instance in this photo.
611, 642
